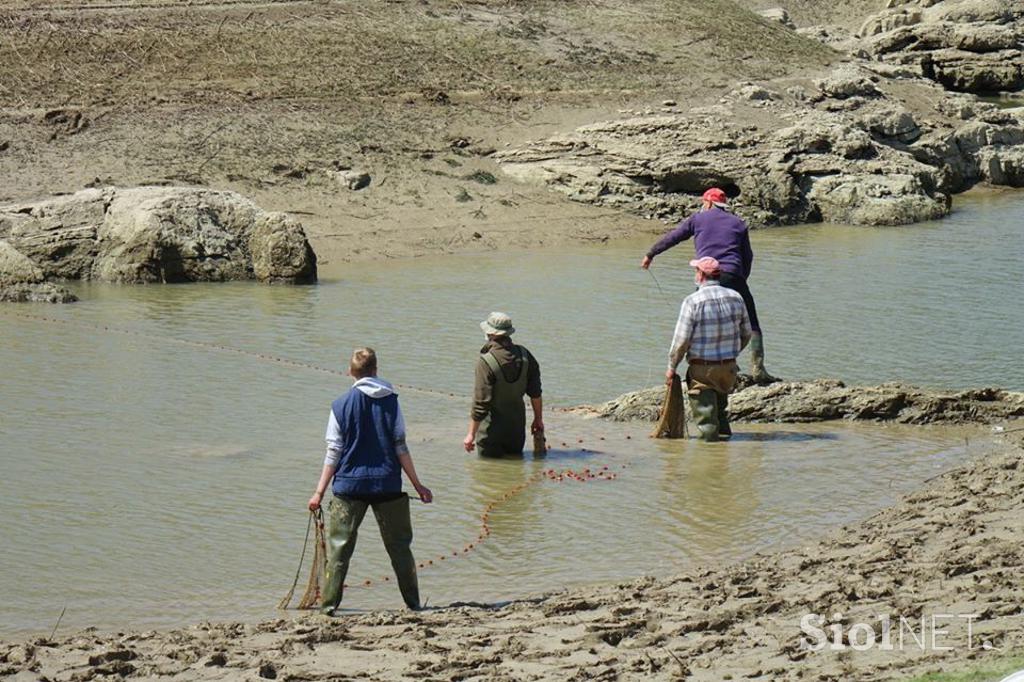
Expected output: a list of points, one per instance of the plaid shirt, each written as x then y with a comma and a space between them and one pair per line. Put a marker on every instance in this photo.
713, 325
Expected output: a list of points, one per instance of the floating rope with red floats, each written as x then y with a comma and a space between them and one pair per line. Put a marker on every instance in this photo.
311, 596
585, 475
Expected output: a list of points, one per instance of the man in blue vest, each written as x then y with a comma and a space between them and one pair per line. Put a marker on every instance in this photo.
366, 455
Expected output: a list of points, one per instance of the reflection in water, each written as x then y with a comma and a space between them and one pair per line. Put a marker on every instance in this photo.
708, 489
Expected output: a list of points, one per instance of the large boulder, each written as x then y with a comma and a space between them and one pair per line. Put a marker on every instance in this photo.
847, 82
156, 234
280, 252
893, 199
891, 123
167, 235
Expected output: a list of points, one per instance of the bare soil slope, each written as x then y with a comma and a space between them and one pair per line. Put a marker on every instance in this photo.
272, 99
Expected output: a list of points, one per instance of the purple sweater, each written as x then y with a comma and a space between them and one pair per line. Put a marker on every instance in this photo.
716, 233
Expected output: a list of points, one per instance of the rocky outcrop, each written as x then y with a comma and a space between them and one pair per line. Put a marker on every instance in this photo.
829, 399
21, 280
966, 45
152, 234
855, 147
42, 292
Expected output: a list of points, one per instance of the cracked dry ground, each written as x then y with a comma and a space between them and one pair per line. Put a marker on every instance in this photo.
951, 548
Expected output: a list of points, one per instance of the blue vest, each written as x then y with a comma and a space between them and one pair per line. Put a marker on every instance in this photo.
369, 464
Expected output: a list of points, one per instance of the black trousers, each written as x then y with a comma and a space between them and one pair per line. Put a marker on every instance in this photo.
739, 285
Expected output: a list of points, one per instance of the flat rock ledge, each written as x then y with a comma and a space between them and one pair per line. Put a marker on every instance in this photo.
831, 399
146, 235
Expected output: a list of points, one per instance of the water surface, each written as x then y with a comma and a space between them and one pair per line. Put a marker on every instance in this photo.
151, 482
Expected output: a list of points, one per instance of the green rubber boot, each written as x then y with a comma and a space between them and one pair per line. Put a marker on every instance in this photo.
343, 519
724, 430
396, 532
757, 371
704, 406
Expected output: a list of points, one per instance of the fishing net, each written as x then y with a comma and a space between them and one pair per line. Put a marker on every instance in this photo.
540, 444
311, 597
672, 423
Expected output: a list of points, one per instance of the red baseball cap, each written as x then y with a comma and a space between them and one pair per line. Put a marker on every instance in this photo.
708, 265
715, 196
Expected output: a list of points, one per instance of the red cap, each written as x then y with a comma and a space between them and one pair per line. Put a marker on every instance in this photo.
708, 265
715, 196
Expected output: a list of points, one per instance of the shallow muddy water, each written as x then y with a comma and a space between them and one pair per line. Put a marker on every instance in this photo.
150, 480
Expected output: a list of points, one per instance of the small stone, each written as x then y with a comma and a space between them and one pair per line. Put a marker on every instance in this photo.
217, 660
669, 103
779, 15
352, 179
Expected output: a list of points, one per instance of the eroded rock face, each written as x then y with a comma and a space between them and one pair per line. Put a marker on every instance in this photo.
863, 199
829, 399
848, 151
16, 267
966, 45
21, 280
153, 234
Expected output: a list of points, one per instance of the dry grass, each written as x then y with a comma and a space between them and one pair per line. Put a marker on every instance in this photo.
352, 50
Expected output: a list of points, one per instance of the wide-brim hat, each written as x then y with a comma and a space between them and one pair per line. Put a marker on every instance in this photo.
498, 324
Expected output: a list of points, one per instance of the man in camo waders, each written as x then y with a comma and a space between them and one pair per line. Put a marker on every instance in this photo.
505, 372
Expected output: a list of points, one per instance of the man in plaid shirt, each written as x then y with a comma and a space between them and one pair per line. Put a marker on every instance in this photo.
713, 328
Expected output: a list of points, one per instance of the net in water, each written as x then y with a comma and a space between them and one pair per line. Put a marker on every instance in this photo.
672, 423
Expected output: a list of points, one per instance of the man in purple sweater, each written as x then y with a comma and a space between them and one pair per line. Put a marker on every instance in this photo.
723, 236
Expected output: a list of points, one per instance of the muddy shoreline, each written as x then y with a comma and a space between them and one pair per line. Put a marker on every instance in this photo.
951, 547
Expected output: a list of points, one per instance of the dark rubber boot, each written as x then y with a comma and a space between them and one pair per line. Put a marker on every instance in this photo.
343, 519
757, 371
704, 406
724, 430
396, 532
